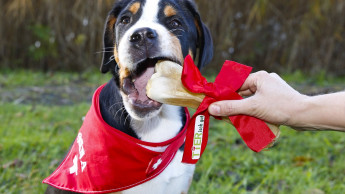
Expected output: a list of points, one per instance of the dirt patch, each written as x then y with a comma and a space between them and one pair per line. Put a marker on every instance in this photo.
48, 95
82, 92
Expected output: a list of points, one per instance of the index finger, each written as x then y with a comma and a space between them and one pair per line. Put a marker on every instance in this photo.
250, 84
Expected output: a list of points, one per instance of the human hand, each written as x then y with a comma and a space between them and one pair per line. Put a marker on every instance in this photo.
271, 99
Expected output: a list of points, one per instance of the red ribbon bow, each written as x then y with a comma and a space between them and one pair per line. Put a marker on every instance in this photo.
255, 133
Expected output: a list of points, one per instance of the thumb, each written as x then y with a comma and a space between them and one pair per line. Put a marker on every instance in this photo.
230, 107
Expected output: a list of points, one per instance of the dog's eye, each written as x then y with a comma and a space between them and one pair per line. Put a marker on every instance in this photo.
125, 20
175, 24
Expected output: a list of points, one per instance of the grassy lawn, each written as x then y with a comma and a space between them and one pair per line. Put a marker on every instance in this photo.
35, 136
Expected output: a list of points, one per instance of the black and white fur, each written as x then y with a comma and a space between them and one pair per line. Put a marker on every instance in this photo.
138, 33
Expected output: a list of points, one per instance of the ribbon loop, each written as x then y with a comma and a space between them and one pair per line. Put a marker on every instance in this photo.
194, 81
254, 132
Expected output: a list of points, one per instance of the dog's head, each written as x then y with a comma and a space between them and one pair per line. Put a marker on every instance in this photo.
138, 33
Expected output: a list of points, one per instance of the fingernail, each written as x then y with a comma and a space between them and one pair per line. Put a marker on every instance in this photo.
215, 109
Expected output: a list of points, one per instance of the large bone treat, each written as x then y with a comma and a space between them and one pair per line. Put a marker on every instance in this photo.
165, 86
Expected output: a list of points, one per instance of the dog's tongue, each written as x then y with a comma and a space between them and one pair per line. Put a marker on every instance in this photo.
141, 82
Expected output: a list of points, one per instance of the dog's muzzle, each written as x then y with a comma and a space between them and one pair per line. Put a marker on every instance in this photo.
144, 50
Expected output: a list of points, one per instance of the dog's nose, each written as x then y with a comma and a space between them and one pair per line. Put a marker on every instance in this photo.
143, 35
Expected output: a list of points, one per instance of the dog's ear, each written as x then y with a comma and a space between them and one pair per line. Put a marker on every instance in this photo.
205, 46
109, 44
205, 43
108, 61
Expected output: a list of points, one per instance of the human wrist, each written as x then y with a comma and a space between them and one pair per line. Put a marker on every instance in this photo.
299, 113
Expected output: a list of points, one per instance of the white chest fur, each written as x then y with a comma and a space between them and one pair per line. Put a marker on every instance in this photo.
160, 128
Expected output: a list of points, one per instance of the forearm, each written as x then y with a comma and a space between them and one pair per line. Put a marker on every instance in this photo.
323, 112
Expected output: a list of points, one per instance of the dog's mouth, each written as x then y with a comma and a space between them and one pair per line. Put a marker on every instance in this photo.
134, 85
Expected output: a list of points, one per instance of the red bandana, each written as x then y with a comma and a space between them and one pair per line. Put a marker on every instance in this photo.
254, 132
103, 159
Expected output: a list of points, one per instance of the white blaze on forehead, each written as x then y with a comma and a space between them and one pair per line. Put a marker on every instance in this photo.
150, 10
148, 19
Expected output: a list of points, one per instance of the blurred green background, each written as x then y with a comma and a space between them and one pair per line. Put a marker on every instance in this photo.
50, 53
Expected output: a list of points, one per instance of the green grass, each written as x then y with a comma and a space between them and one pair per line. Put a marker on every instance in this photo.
33, 141
34, 138
300, 161
320, 79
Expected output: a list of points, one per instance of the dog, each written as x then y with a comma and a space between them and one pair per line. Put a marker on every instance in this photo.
138, 34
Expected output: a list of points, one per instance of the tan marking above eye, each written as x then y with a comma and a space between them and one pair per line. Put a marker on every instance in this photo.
169, 11
134, 8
